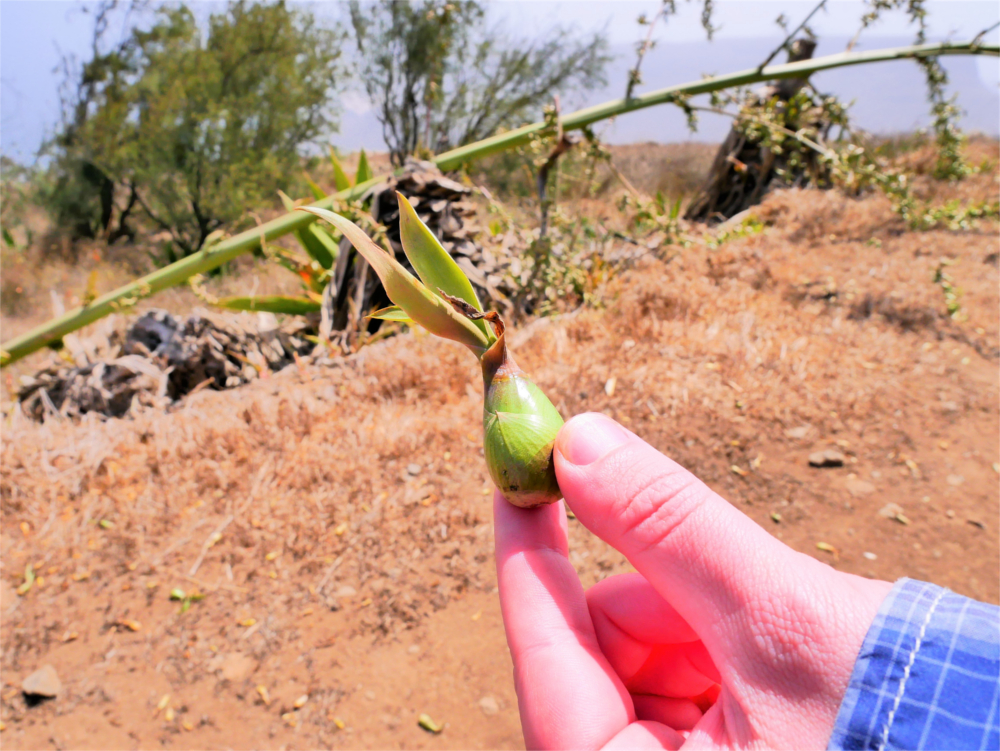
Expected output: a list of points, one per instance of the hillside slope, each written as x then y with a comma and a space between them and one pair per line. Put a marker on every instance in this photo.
337, 519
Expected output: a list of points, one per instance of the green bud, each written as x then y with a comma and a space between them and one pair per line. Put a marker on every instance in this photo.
519, 430
519, 425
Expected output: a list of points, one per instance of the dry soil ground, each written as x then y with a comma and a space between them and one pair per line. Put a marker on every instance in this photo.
337, 519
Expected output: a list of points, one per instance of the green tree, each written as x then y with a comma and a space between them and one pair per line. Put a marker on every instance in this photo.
192, 127
77, 192
439, 76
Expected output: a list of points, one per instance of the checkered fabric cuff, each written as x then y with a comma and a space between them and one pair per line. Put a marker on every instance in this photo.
927, 676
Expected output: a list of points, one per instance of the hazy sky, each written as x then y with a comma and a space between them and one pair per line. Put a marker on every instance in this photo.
34, 35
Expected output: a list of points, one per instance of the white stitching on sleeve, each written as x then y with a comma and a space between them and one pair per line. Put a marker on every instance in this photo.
906, 670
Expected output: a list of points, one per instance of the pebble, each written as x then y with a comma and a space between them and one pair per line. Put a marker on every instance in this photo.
869, 556
413, 469
890, 510
43, 682
489, 705
858, 488
798, 433
827, 458
237, 667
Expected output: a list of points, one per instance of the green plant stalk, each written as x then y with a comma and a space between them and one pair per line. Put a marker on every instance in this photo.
220, 253
582, 118
203, 261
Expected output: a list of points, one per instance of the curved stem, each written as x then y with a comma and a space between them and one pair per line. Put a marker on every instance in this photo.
249, 240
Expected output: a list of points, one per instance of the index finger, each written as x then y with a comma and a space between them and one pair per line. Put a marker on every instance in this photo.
568, 694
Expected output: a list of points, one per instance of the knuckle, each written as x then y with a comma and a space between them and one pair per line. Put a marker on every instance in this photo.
657, 504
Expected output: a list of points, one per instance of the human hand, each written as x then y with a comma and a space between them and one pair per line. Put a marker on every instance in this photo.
725, 637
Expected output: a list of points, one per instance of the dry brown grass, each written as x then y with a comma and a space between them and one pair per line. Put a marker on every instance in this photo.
827, 324
828, 321
676, 169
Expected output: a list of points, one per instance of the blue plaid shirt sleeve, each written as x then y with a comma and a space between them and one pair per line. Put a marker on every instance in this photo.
927, 676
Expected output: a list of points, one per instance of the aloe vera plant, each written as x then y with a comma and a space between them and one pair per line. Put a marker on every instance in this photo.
519, 421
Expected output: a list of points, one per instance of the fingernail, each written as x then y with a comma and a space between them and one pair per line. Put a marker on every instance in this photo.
588, 437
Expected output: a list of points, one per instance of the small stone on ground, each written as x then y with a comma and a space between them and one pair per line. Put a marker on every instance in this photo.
858, 488
890, 510
827, 458
43, 682
237, 667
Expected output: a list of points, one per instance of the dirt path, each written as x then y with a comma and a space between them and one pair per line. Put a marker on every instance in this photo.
337, 519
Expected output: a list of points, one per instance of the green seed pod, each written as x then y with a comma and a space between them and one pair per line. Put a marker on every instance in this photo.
519, 423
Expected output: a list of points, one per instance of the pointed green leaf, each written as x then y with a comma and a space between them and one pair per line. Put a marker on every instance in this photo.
392, 313
317, 191
364, 171
675, 210
326, 240
340, 178
287, 202
405, 290
319, 250
271, 304
314, 247
431, 261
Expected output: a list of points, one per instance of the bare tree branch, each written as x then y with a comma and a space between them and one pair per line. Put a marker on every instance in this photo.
982, 34
635, 75
789, 38
564, 142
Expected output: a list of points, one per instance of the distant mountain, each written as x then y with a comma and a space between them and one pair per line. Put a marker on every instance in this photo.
889, 97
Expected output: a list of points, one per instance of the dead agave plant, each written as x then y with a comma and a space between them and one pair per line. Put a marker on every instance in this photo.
519, 422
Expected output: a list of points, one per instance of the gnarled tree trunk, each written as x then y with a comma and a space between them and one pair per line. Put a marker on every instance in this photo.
743, 169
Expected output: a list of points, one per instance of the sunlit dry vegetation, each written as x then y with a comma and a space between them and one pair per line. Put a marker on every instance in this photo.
336, 517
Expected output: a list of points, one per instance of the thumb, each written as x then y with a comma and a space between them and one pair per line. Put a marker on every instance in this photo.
762, 609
